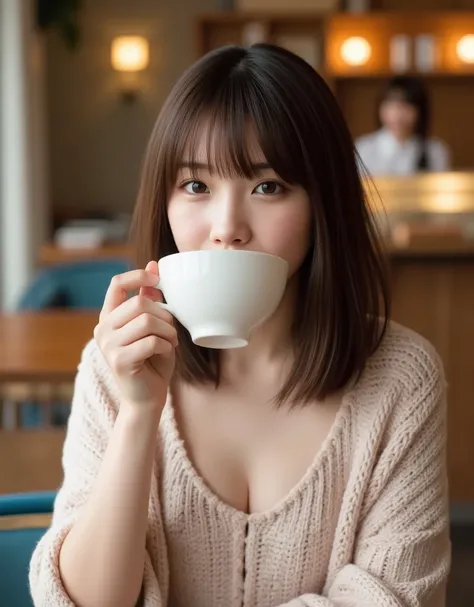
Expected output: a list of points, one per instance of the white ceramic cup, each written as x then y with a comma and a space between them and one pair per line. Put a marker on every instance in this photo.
220, 296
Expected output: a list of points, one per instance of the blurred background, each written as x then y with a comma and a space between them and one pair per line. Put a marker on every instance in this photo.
81, 84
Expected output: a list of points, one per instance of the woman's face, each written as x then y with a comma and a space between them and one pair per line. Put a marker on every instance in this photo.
399, 117
263, 213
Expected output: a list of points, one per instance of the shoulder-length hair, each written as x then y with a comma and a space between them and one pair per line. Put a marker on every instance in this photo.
343, 304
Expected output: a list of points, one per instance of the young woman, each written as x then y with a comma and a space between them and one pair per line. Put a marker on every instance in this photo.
402, 146
307, 469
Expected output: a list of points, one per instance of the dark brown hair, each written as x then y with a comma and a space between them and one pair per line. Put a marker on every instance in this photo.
343, 304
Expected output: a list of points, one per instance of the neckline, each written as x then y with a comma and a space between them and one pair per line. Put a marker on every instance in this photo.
337, 428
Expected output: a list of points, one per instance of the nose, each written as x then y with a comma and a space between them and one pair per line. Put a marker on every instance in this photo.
229, 225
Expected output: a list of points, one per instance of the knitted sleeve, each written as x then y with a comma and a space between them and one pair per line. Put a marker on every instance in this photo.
90, 424
402, 549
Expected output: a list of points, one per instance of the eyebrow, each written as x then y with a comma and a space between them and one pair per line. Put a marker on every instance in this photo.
258, 166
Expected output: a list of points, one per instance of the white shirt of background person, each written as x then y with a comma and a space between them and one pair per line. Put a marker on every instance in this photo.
383, 154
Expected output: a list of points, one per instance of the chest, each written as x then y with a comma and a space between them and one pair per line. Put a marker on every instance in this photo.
248, 452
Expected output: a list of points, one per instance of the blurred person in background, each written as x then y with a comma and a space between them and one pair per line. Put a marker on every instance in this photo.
401, 146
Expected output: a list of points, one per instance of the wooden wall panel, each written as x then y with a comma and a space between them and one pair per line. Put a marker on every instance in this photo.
436, 299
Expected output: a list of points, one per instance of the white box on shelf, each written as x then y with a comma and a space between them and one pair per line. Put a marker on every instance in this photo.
70, 237
425, 53
400, 53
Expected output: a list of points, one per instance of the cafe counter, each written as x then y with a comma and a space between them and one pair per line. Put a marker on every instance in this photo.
428, 225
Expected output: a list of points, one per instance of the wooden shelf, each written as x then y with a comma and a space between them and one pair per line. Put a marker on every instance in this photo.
223, 28
242, 17
378, 28
386, 74
226, 27
50, 254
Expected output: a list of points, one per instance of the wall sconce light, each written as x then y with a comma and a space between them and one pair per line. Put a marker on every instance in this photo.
356, 51
465, 48
130, 55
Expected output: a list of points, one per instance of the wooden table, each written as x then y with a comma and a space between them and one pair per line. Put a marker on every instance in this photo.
43, 346
36, 349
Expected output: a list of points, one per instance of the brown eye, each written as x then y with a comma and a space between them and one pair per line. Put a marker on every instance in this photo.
269, 188
196, 187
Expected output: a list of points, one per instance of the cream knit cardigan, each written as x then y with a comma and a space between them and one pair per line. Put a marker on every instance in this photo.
366, 526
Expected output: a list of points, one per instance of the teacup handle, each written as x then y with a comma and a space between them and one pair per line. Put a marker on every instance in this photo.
165, 306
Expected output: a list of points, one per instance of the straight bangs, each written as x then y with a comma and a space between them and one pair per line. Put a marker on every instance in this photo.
214, 131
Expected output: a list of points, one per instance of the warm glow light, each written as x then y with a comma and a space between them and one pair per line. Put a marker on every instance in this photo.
130, 53
356, 51
465, 48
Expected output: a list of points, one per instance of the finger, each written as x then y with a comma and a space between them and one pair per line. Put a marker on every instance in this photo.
130, 309
151, 292
130, 356
121, 284
152, 266
142, 326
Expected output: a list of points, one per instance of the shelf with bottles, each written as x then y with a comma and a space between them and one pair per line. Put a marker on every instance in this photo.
344, 45
381, 44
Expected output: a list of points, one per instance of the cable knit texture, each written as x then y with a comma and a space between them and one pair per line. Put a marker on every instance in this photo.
367, 525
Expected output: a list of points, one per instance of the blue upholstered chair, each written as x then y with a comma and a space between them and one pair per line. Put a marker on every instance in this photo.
19, 534
80, 284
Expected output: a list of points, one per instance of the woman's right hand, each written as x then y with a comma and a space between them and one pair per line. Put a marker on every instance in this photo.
138, 339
